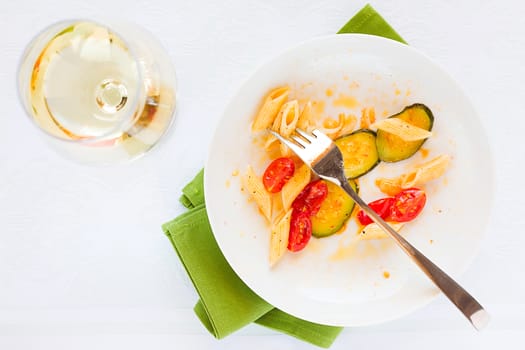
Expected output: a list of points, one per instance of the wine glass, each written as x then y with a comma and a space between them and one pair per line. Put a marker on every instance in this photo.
103, 94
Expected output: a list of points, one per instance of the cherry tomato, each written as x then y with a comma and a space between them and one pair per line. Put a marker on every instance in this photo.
408, 204
300, 231
382, 207
311, 197
277, 174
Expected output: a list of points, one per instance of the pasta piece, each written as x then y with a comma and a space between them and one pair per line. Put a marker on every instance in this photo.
306, 117
285, 123
276, 125
390, 187
279, 238
336, 128
270, 139
426, 172
330, 127
288, 117
277, 207
418, 176
401, 128
285, 151
255, 187
373, 231
368, 117
271, 106
295, 185
349, 122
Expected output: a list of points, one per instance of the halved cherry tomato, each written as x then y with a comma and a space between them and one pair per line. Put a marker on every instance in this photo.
408, 204
381, 206
277, 174
300, 231
311, 197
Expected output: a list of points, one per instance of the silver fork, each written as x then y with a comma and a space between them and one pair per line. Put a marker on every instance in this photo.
322, 155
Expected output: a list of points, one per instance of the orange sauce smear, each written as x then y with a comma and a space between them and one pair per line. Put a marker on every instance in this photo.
424, 152
345, 101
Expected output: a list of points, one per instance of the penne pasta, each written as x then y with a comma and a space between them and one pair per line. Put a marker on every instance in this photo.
284, 123
289, 115
402, 129
330, 127
277, 207
418, 176
306, 117
276, 125
373, 231
270, 108
255, 187
279, 237
426, 172
368, 117
270, 139
390, 187
349, 122
295, 185
344, 125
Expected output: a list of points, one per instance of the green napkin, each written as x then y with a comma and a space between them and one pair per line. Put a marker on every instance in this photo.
226, 304
368, 21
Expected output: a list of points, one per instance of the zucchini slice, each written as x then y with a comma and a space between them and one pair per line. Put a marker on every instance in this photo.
359, 152
334, 212
392, 148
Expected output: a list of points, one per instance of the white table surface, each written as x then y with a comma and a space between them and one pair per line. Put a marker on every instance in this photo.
83, 262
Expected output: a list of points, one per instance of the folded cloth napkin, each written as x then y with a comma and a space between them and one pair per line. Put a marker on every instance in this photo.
226, 304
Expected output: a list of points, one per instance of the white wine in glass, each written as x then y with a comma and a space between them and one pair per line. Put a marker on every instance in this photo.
103, 94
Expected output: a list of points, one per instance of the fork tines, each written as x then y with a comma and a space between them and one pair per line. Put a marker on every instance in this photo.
304, 138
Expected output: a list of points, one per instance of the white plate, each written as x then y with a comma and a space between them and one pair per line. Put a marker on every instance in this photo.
333, 281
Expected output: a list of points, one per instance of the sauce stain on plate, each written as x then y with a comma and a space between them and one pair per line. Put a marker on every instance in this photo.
346, 101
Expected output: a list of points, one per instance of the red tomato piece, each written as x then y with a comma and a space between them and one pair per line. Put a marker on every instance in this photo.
300, 231
382, 207
311, 197
277, 174
408, 204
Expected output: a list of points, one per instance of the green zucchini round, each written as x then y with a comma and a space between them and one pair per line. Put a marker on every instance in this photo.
334, 212
359, 152
392, 148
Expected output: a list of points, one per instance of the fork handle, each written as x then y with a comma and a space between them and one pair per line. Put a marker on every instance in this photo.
459, 296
